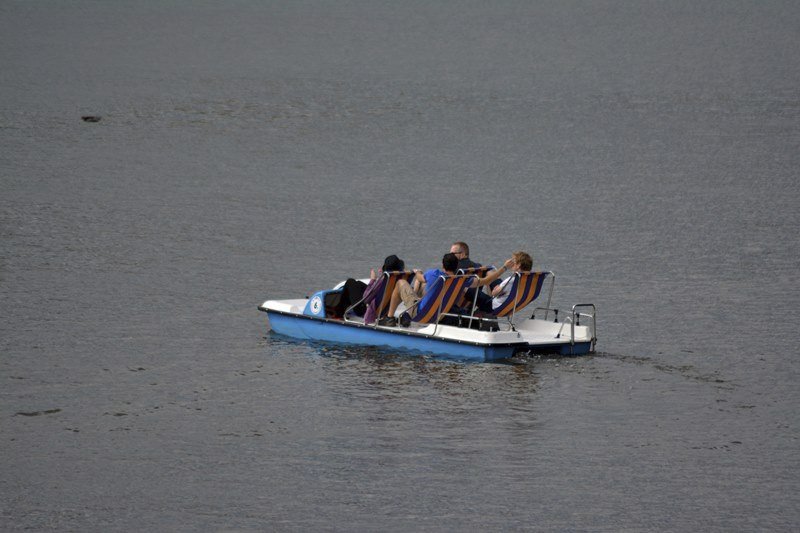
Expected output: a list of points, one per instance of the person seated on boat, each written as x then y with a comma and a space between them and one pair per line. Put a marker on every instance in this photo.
413, 294
354, 292
461, 250
521, 262
484, 301
391, 264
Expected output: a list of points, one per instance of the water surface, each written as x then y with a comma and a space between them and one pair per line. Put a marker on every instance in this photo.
646, 153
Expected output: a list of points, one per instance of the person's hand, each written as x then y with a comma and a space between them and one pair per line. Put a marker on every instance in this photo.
372, 274
417, 271
509, 262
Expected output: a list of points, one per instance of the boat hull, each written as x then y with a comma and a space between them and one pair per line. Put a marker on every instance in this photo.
312, 328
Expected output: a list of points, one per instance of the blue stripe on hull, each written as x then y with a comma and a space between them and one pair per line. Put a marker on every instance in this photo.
579, 348
320, 330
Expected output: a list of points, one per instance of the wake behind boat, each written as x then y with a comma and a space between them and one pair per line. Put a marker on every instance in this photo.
437, 329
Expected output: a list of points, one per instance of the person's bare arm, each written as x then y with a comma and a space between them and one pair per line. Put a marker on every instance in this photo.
494, 274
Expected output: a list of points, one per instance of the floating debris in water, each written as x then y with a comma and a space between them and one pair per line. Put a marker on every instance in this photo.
91, 118
37, 413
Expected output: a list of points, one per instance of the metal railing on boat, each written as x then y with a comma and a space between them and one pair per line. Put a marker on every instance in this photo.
574, 320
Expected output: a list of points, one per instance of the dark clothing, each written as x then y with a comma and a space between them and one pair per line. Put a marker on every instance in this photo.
467, 263
336, 303
484, 300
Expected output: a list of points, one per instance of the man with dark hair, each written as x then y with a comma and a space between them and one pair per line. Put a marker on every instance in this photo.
411, 295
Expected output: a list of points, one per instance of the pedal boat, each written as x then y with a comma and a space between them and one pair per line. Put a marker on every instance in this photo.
439, 332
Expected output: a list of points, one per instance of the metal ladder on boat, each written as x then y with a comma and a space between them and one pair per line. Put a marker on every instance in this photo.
574, 319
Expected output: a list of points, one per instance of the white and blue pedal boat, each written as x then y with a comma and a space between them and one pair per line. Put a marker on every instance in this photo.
439, 330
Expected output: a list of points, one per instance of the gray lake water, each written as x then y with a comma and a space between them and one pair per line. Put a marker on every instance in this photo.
646, 152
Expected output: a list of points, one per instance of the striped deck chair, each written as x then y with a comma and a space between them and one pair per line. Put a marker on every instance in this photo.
389, 281
480, 272
447, 291
475, 271
525, 287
